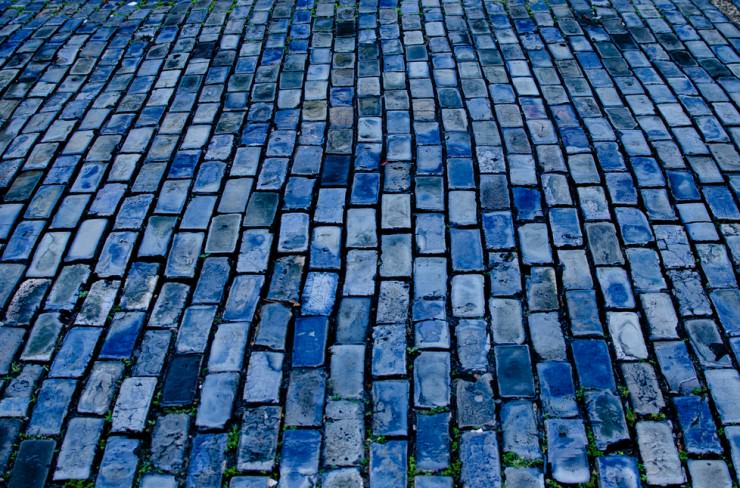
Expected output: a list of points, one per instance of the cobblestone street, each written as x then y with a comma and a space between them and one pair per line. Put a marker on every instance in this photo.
380, 244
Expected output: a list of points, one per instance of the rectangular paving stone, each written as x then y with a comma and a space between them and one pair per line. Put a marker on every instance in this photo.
52, 406
32, 464
19, 391
42, 338
696, 422
388, 463
169, 439
300, 456
122, 335
183, 255
78, 449
98, 303
618, 470
119, 462
152, 353
100, 387
115, 254
567, 440
9, 431
658, 449
264, 374
319, 293
181, 379
343, 433
480, 457
304, 404
139, 286
242, 298
431, 379
133, 403
77, 349
259, 439
721, 384
66, 289
217, 399
206, 462
309, 341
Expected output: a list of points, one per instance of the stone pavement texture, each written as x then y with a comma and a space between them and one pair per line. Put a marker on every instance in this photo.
424, 243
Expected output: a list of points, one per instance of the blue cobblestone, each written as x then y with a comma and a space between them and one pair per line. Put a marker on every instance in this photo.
298, 242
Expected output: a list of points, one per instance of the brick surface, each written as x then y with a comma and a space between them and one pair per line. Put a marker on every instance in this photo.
377, 243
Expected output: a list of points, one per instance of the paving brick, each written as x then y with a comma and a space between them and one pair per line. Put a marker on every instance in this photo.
264, 374
32, 464
658, 449
78, 449
52, 406
217, 400
19, 392
259, 438
169, 441
75, 354
118, 465
206, 463
567, 438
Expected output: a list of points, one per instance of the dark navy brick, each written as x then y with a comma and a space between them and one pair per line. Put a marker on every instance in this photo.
32, 464
593, 364
309, 341
514, 371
